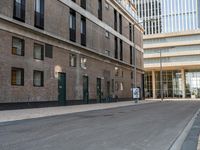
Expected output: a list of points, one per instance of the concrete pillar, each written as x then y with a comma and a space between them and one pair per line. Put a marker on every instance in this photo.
154, 84
183, 81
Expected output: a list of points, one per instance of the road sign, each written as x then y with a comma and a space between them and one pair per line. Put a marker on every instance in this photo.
136, 93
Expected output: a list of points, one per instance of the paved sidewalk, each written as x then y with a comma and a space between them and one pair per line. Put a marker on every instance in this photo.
192, 141
14, 115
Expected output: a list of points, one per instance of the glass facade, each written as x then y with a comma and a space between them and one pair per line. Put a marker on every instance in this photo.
192, 84
173, 84
148, 85
171, 81
164, 16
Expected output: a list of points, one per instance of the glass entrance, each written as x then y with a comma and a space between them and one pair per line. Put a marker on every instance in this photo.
171, 81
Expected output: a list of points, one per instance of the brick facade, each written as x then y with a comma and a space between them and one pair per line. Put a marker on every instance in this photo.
99, 64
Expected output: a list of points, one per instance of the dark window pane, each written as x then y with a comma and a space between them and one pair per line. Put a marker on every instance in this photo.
48, 51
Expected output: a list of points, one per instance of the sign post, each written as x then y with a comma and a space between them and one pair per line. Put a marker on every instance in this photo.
136, 94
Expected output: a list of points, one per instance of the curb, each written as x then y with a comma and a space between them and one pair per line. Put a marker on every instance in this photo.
179, 140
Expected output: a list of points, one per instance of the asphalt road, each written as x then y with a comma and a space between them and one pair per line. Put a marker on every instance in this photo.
142, 127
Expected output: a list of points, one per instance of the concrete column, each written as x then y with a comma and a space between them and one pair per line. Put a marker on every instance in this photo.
183, 81
154, 84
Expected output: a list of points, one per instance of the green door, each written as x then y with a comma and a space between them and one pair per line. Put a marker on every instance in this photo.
62, 88
85, 90
99, 90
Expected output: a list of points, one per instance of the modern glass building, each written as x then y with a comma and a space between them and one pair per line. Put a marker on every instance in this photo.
165, 16
171, 44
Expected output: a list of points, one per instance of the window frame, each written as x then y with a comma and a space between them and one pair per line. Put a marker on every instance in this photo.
42, 78
22, 76
75, 60
42, 51
23, 46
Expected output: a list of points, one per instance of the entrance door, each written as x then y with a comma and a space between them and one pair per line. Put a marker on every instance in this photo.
99, 90
85, 89
62, 88
108, 88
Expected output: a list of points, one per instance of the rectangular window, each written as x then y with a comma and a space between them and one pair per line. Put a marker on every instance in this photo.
100, 9
38, 78
48, 51
17, 46
83, 31
120, 23
116, 48
130, 32
17, 76
83, 63
38, 52
19, 10
121, 50
83, 4
133, 38
72, 60
134, 55
115, 19
72, 25
39, 14
131, 55
131, 74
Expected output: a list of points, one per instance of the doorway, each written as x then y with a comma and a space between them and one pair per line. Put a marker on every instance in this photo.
85, 89
62, 88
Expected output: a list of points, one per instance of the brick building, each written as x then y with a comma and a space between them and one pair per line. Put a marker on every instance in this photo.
79, 51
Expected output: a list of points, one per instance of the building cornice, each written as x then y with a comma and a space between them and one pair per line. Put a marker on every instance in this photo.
170, 44
173, 34
172, 54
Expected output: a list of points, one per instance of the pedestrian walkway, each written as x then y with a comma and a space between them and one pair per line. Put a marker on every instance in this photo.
14, 115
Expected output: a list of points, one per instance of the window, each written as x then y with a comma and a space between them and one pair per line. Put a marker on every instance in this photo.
73, 0
83, 63
121, 86
17, 76
100, 9
116, 71
19, 10
133, 33
83, 31
115, 19
130, 32
72, 60
121, 50
72, 25
83, 4
131, 74
39, 14
131, 55
107, 34
38, 78
48, 51
38, 52
120, 23
17, 46
116, 48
